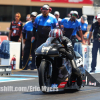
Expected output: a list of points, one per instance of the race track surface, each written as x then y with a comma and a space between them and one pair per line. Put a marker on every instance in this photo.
30, 79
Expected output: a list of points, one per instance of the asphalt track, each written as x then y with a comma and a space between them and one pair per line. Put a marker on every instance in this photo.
86, 93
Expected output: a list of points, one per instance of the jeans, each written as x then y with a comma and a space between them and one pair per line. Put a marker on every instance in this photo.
96, 47
78, 48
5, 49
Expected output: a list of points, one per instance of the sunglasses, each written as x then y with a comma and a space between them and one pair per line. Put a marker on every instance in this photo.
74, 15
33, 16
56, 15
45, 9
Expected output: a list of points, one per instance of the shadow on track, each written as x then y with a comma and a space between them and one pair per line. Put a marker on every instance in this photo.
49, 93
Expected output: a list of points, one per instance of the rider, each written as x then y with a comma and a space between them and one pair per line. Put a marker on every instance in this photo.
68, 51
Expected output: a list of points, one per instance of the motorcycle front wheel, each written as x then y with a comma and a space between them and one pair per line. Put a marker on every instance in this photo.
45, 79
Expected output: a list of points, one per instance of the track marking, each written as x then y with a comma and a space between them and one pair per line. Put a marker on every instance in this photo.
6, 79
25, 75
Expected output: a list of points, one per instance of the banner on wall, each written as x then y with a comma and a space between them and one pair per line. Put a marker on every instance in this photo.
66, 1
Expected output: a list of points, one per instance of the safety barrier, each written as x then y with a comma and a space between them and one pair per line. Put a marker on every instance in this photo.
86, 52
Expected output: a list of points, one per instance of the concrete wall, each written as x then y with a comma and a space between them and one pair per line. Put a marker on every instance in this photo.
4, 26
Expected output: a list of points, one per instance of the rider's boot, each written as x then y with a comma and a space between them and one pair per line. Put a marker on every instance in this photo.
76, 72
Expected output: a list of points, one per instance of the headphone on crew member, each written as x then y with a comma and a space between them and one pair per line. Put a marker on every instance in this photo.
44, 6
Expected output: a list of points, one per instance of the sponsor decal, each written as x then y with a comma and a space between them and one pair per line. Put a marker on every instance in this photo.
48, 20
90, 83
85, 27
13, 26
83, 80
85, 55
79, 62
19, 23
73, 23
54, 85
85, 49
8, 69
39, 19
45, 49
73, 81
62, 84
66, 79
57, 24
2, 70
69, 44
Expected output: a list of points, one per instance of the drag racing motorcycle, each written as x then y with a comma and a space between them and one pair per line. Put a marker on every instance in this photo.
54, 70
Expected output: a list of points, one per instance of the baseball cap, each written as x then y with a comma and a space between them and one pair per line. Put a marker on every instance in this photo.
84, 17
75, 12
34, 13
98, 16
46, 6
56, 13
71, 12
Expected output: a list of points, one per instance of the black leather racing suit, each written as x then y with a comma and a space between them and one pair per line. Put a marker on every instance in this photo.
69, 52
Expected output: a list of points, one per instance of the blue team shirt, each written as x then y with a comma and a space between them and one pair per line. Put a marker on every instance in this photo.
28, 29
84, 26
50, 21
70, 27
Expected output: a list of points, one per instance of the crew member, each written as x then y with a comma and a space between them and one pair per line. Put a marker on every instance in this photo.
28, 17
43, 24
57, 15
71, 26
15, 33
27, 34
95, 28
84, 25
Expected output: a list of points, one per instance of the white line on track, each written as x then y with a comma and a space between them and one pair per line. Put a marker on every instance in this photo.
18, 80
